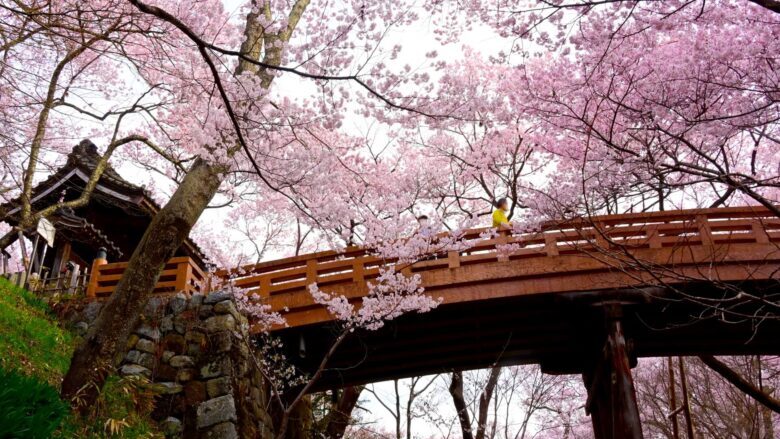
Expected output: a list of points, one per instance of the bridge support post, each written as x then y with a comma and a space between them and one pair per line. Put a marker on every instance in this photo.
611, 400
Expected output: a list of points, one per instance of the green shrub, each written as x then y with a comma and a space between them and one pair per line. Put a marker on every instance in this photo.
29, 408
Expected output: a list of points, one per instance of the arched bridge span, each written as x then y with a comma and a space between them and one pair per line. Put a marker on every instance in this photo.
584, 296
601, 253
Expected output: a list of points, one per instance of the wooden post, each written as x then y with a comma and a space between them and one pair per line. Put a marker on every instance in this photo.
5, 256
183, 276
358, 271
42, 258
704, 230
503, 239
265, 286
93, 280
653, 238
550, 245
611, 397
311, 272
453, 259
760, 232
599, 235
74, 280
29, 267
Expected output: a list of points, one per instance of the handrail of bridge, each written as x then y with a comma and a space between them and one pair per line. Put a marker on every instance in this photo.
180, 274
278, 281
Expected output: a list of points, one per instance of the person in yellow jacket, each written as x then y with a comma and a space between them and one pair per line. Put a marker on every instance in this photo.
500, 220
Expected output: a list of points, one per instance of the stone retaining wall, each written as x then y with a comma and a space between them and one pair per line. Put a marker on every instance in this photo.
195, 352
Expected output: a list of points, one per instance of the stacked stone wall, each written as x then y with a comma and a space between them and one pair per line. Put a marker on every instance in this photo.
195, 351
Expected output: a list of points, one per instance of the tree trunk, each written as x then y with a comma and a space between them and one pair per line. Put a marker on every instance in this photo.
686, 403
341, 412
456, 391
8, 239
300, 421
484, 401
93, 360
673, 400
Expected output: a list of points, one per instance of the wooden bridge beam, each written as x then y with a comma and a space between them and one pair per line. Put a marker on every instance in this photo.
611, 400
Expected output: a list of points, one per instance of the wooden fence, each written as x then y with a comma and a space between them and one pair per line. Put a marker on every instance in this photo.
180, 274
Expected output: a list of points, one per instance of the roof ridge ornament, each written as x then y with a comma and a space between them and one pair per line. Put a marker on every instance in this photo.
87, 146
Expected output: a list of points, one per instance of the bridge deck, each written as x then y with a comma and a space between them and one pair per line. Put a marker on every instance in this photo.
536, 297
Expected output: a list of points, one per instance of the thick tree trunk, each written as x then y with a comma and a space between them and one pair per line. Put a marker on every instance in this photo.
300, 422
93, 360
341, 412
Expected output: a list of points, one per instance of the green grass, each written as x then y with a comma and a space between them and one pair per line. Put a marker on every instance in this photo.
34, 345
30, 341
29, 408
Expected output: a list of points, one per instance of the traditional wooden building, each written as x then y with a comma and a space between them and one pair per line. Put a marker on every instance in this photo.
96, 238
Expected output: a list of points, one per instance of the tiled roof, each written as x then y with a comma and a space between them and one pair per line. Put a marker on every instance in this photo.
82, 230
85, 157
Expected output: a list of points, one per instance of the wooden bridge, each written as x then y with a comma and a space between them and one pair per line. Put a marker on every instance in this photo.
586, 296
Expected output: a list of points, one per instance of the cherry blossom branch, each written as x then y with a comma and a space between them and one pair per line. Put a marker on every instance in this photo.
164, 15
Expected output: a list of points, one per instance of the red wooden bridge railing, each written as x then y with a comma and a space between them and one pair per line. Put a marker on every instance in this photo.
548, 260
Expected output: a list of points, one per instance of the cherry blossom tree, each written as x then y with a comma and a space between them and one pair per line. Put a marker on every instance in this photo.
630, 129
220, 77
206, 107
625, 107
596, 107
717, 408
54, 64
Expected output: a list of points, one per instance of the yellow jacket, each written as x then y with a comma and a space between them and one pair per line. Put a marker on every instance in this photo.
499, 217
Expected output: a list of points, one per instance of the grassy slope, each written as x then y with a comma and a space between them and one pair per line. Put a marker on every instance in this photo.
29, 340
32, 343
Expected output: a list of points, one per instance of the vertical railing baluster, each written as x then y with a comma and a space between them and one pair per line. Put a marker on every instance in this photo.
759, 232
94, 279
599, 230
183, 276
502, 240
705, 232
311, 272
653, 237
358, 270
550, 245
453, 259
265, 286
